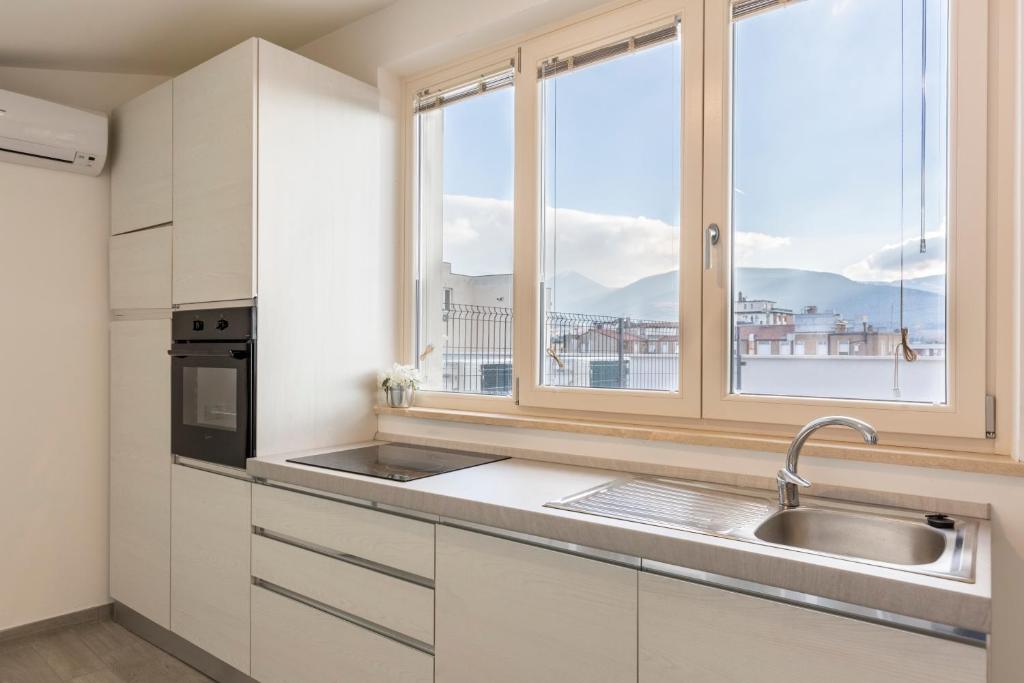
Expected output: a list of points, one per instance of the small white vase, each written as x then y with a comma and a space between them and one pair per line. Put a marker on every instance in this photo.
400, 396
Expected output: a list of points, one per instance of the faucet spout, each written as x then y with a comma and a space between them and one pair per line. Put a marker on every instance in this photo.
788, 480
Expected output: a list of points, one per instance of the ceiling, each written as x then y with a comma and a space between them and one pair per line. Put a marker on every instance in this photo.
159, 36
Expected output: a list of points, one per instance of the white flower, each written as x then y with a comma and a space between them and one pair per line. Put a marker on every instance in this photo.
401, 376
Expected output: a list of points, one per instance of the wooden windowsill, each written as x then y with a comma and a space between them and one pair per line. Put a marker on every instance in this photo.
915, 457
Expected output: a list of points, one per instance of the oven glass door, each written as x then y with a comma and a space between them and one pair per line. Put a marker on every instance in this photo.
211, 402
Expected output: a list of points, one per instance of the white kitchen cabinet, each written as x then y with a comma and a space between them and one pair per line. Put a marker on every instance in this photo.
214, 174
140, 169
508, 612
392, 603
210, 557
696, 633
295, 643
390, 540
140, 269
140, 467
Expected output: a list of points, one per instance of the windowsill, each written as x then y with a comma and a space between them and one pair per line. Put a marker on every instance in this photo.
980, 463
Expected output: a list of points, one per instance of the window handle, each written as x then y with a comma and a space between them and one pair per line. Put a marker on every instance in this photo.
711, 235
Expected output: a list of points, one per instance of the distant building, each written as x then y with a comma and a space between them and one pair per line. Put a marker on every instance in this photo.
765, 340
759, 312
476, 290
813, 320
808, 333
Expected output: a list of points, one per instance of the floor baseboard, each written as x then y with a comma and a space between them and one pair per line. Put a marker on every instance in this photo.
82, 616
177, 647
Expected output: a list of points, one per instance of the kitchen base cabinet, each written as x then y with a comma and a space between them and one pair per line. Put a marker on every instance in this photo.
507, 612
695, 633
140, 467
295, 643
210, 550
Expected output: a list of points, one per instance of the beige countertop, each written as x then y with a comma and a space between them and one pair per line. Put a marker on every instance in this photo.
510, 495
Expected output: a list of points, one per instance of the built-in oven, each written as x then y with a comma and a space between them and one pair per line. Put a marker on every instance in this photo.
213, 382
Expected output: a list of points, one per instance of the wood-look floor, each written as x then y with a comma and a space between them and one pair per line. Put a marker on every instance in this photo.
96, 652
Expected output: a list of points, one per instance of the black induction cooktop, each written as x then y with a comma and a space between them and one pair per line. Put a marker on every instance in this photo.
397, 461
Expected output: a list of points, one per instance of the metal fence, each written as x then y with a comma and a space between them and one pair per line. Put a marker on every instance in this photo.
606, 352
582, 350
477, 355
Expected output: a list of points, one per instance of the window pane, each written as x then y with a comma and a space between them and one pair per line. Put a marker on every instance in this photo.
839, 200
610, 229
465, 185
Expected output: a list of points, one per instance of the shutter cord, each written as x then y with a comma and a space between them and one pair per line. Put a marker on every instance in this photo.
909, 354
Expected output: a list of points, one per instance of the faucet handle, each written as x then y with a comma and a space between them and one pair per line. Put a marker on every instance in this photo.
787, 477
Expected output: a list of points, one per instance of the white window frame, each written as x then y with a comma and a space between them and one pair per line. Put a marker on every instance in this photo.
964, 413
436, 81
601, 30
705, 396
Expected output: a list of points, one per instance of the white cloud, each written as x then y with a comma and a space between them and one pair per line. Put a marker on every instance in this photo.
750, 247
884, 265
477, 235
612, 250
840, 7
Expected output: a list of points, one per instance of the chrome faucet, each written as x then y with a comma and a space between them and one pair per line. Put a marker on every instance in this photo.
787, 478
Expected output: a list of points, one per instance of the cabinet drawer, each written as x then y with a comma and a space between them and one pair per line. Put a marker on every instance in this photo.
394, 541
295, 643
393, 603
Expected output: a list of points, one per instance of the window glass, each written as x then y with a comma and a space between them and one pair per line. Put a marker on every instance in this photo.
464, 214
839, 200
610, 223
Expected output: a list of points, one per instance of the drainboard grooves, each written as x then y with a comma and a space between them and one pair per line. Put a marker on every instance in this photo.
650, 501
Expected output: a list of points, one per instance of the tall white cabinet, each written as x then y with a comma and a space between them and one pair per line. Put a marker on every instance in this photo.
295, 225
214, 174
140, 467
253, 175
140, 332
508, 612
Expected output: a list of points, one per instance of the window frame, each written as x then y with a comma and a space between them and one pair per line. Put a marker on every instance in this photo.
598, 31
440, 80
704, 341
964, 412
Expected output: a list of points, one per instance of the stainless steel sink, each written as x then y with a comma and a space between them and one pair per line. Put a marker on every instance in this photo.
866, 537
884, 537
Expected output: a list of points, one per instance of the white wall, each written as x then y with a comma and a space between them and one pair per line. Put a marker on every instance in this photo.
53, 367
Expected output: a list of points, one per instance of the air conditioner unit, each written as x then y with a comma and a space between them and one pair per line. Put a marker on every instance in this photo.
40, 133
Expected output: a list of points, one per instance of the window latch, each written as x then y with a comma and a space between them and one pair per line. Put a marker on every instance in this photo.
711, 236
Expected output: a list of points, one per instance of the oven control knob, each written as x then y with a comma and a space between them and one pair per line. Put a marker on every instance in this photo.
222, 324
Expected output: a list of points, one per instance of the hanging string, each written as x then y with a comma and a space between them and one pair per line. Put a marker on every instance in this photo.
924, 117
903, 347
909, 354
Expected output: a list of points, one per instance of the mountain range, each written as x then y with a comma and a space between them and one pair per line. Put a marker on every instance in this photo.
654, 297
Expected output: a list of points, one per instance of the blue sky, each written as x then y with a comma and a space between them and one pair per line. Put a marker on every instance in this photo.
817, 141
